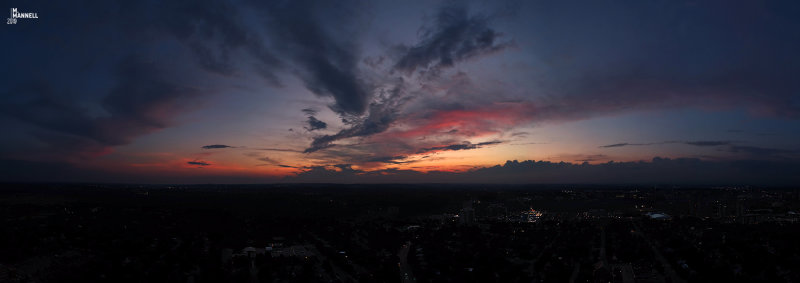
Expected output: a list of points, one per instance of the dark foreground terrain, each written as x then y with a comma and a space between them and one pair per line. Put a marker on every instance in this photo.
397, 233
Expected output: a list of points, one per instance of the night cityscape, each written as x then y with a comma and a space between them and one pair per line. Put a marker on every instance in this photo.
398, 233
400, 141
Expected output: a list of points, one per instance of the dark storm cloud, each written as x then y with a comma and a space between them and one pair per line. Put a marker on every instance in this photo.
145, 98
300, 34
216, 146
455, 36
222, 39
142, 101
314, 124
90, 93
198, 162
47, 109
382, 113
327, 61
215, 31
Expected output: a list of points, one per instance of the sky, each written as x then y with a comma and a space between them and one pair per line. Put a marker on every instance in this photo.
644, 92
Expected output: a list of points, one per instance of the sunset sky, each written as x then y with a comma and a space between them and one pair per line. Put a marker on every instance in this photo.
402, 91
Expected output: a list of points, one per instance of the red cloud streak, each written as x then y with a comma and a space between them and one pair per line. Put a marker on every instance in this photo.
478, 122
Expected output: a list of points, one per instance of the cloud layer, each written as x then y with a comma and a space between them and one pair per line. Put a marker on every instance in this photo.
683, 171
